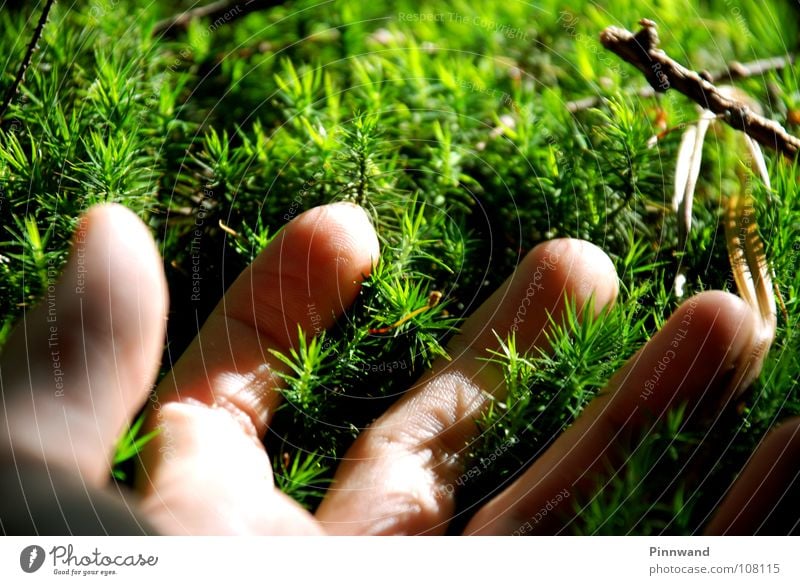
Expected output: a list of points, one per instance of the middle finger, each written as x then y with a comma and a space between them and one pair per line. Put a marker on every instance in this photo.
393, 479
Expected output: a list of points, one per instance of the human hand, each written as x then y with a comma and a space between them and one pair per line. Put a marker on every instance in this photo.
81, 364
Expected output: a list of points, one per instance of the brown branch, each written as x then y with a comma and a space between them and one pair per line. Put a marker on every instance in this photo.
222, 10
26, 60
734, 71
663, 73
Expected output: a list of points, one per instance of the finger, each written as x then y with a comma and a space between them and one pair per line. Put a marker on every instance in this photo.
78, 366
689, 361
394, 478
307, 276
764, 500
214, 407
211, 478
42, 499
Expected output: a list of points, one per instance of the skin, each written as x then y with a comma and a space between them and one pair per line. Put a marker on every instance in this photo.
207, 471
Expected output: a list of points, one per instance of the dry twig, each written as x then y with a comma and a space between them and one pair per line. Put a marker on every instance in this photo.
663, 73
26, 60
224, 10
735, 70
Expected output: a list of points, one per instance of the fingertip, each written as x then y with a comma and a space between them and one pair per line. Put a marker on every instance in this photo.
550, 275
309, 275
694, 359
341, 232
729, 331
727, 319
584, 269
355, 220
111, 218
112, 238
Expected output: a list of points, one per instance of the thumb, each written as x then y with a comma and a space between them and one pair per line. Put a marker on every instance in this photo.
79, 365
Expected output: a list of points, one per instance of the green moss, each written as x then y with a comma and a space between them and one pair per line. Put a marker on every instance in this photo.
450, 127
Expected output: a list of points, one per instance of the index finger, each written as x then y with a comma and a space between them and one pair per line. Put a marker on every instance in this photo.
306, 277
214, 407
